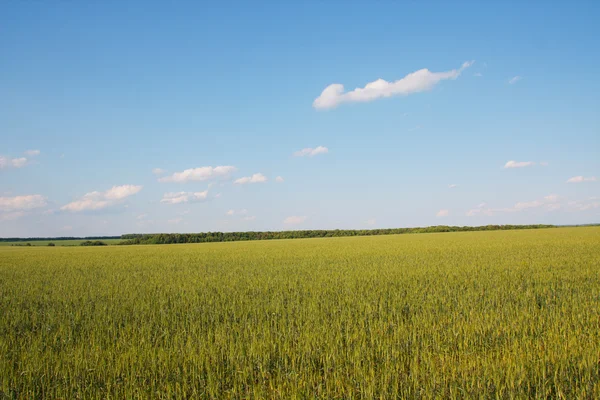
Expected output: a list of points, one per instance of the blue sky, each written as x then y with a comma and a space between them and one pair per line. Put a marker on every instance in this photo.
96, 96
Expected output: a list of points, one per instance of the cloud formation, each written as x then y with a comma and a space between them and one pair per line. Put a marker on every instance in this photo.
452, 186
579, 179
158, 171
20, 203
32, 153
99, 200
518, 164
255, 178
200, 174
442, 213
294, 220
184, 197
415, 82
279, 179
310, 152
7, 162
514, 79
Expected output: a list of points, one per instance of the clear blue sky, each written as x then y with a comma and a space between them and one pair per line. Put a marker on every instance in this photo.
107, 92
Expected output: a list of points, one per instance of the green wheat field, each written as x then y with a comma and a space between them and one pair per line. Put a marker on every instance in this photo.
505, 314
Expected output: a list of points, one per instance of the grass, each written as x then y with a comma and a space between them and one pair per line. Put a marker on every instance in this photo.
507, 314
68, 242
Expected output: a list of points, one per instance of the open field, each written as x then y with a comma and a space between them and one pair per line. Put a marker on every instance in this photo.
506, 314
70, 242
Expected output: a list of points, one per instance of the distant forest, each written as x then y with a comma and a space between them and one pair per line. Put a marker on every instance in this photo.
169, 238
34, 239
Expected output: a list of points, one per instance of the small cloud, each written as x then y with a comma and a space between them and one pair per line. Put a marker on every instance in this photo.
478, 74
20, 203
7, 162
294, 220
442, 213
279, 179
544, 163
527, 204
452, 185
100, 200
310, 152
184, 197
200, 174
518, 164
230, 212
514, 79
249, 218
579, 179
158, 171
551, 198
32, 153
415, 82
371, 221
255, 178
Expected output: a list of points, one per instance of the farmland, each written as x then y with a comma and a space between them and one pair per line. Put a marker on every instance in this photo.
502, 314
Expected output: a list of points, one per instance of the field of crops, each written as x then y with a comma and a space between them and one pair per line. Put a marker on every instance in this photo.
508, 314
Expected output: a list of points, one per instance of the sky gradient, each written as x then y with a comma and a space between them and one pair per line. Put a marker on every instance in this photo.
191, 117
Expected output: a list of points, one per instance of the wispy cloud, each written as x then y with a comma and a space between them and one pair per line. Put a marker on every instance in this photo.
158, 171
32, 153
255, 178
294, 220
518, 164
579, 179
478, 74
8, 162
200, 174
415, 82
452, 185
279, 179
442, 213
310, 152
19, 203
184, 197
100, 200
514, 79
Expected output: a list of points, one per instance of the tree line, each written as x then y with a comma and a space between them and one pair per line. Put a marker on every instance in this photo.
209, 237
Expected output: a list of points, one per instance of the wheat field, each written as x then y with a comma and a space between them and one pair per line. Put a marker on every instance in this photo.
507, 314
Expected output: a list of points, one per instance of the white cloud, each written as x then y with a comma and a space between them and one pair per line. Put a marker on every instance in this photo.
18, 203
120, 192
294, 220
7, 162
310, 152
584, 205
579, 179
200, 174
551, 198
514, 79
32, 153
184, 197
279, 179
99, 200
255, 178
442, 213
518, 164
243, 211
158, 171
453, 185
418, 81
